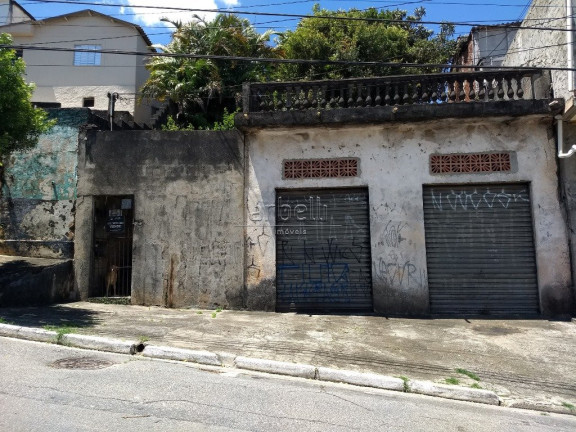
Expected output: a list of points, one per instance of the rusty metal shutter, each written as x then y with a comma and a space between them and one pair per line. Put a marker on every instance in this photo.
480, 250
323, 259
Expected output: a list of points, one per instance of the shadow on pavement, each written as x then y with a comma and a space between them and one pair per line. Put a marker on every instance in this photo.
49, 316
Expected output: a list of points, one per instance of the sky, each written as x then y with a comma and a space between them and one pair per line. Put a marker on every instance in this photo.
468, 11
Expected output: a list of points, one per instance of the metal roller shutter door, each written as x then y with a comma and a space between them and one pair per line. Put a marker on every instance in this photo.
480, 250
323, 251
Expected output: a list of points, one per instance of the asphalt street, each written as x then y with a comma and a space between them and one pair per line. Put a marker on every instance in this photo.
42, 387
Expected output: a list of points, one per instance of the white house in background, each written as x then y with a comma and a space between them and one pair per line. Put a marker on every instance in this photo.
12, 12
81, 78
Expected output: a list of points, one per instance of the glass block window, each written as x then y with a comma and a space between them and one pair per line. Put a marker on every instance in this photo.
320, 168
470, 163
87, 58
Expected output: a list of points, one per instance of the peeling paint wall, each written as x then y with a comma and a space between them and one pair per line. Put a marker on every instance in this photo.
394, 165
188, 201
37, 202
543, 48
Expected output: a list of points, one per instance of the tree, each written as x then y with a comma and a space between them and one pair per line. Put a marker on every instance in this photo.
21, 124
200, 89
362, 40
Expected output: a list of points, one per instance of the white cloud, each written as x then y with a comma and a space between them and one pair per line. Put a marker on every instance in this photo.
152, 16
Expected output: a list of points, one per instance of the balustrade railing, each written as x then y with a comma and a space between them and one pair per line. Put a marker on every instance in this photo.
470, 87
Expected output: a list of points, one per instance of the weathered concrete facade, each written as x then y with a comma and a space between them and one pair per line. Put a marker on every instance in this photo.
544, 48
37, 205
394, 165
188, 190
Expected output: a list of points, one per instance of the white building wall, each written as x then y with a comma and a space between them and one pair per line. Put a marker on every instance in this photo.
394, 165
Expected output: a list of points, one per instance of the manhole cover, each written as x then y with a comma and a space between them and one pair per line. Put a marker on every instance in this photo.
81, 363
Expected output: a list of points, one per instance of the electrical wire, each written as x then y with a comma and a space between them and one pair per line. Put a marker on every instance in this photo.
299, 16
279, 60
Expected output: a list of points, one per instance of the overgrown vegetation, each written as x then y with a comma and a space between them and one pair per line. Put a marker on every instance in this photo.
204, 93
20, 123
468, 374
60, 330
372, 35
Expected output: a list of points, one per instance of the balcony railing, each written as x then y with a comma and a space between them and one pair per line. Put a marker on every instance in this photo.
470, 87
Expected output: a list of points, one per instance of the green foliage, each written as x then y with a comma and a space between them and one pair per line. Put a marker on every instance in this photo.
362, 40
20, 123
468, 374
452, 381
199, 89
60, 331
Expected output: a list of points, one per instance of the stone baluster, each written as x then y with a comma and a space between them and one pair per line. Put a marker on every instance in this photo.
341, 101
378, 98
350, 100
434, 94
288, 98
406, 94
387, 98
472, 89
443, 94
462, 89
323, 100
482, 92
396, 97
500, 92
491, 93
510, 92
519, 89
425, 90
452, 88
359, 98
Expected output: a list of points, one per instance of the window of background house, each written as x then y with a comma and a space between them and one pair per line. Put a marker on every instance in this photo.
87, 58
88, 102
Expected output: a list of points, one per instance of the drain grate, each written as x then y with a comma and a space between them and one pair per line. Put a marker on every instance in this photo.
81, 363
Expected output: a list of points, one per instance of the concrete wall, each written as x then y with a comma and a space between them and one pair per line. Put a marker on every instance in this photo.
188, 190
35, 281
567, 168
394, 165
542, 48
37, 200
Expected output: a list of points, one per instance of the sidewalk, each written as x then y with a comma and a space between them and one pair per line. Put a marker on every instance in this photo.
528, 363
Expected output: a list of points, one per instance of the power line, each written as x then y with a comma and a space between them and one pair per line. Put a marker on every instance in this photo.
299, 16
279, 60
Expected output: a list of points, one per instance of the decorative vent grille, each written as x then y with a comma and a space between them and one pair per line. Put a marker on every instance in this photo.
470, 163
320, 168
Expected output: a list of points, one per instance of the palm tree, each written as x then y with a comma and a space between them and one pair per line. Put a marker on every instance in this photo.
199, 89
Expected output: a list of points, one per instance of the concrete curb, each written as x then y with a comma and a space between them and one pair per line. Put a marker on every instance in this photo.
360, 379
28, 333
98, 343
276, 367
259, 365
201, 357
454, 392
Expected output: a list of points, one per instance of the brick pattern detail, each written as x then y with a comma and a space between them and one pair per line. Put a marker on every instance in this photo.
320, 168
470, 163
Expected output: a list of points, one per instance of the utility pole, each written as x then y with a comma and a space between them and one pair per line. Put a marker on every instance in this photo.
112, 98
